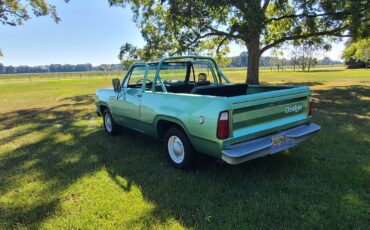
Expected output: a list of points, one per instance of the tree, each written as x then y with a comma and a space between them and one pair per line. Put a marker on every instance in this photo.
176, 26
10, 70
308, 53
325, 61
15, 12
240, 61
277, 59
128, 54
265, 61
295, 55
207, 47
359, 52
222, 60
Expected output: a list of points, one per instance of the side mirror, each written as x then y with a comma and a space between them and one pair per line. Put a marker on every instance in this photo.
116, 85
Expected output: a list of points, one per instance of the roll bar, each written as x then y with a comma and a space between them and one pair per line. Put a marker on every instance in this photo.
194, 57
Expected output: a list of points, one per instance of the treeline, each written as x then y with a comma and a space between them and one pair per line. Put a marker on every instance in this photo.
276, 61
55, 68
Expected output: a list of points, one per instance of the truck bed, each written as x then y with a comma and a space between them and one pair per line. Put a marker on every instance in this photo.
226, 90
255, 110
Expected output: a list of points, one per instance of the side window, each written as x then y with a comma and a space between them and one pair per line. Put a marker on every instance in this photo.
136, 77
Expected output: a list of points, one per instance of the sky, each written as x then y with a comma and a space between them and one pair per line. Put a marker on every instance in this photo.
90, 32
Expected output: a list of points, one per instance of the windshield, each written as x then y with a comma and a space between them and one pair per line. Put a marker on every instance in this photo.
185, 71
175, 72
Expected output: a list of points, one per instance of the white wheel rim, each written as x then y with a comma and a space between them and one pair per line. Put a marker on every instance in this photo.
108, 122
176, 149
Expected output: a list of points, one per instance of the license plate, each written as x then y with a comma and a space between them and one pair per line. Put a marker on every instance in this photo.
277, 141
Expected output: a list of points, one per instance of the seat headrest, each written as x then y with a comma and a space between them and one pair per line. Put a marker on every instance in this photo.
202, 77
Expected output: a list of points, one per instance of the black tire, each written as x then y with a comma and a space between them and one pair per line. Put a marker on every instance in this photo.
113, 129
187, 152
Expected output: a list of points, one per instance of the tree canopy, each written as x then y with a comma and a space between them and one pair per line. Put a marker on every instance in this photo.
128, 54
357, 54
15, 12
176, 27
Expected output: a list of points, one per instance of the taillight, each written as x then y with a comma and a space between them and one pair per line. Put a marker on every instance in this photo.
310, 107
223, 125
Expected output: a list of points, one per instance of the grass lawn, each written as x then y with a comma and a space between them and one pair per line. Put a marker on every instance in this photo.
59, 170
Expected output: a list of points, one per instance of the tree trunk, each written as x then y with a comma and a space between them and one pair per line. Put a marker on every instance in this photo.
254, 54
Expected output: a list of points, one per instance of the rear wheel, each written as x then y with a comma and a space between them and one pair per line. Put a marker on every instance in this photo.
109, 125
178, 148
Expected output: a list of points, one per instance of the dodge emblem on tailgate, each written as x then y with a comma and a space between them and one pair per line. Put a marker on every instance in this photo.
295, 108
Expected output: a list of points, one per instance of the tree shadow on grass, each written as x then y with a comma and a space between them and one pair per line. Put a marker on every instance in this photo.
310, 83
303, 187
81, 99
292, 83
323, 70
43, 153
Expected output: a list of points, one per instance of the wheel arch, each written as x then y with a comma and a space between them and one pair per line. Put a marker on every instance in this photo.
163, 123
102, 107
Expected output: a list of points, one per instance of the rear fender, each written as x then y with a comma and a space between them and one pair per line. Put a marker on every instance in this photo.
172, 120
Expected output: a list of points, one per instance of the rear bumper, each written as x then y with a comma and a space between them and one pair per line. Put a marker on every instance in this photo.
260, 147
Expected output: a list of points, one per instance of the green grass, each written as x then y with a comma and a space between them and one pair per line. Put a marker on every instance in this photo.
59, 170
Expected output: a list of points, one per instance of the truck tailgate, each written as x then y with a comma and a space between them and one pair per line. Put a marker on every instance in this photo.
260, 114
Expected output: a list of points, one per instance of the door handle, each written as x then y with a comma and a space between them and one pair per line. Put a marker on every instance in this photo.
139, 95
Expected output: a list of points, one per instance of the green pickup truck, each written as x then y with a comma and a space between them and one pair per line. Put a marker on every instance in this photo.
193, 107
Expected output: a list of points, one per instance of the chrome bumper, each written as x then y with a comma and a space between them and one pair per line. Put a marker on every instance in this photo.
260, 147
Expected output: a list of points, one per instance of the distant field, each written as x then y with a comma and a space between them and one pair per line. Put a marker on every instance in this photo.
59, 170
112, 74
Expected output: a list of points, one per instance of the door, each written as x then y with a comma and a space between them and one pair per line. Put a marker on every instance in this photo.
127, 104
